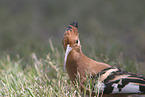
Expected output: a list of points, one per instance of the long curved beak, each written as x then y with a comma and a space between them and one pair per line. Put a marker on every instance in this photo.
68, 49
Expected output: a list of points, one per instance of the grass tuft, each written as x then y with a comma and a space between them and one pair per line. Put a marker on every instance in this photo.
43, 77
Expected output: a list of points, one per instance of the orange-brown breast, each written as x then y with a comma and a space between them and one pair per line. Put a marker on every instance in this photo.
79, 63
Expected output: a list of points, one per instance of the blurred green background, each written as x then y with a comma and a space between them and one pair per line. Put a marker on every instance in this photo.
107, 27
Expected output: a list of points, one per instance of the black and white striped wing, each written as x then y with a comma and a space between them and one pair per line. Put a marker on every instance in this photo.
117, 81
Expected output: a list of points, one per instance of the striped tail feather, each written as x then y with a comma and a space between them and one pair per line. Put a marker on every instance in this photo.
117, 81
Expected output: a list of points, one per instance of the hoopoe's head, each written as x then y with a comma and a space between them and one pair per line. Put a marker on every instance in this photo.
71, 40
71, 36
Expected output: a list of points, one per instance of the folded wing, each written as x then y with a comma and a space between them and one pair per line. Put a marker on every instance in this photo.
117, 81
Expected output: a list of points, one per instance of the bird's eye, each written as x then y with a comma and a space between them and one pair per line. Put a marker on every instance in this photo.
77, 41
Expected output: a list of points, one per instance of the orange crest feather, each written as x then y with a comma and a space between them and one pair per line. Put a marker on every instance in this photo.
71, 31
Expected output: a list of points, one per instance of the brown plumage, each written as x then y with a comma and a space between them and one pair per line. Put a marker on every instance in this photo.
76, 60
77, 63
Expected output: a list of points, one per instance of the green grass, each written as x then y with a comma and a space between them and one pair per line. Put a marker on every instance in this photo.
41, 77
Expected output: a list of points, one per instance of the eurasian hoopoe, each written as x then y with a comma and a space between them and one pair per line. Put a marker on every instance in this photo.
112, 80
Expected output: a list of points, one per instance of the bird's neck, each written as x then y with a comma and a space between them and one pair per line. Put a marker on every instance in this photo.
72, 63
77, 62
